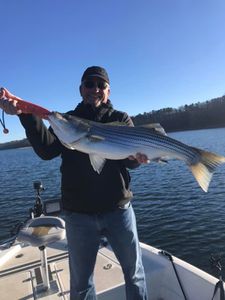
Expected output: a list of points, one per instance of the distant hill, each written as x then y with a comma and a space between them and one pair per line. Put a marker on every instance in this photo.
201, 115
15, 144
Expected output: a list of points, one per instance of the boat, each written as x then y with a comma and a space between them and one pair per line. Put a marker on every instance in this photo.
34, 265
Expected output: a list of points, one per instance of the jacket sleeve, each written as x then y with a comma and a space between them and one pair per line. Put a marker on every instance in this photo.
44, 142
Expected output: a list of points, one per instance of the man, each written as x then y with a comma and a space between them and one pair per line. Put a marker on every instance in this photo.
95, 205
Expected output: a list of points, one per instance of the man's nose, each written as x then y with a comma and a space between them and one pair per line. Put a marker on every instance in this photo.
96, 88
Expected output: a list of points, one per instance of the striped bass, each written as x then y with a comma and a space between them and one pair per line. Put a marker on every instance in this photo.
113, 141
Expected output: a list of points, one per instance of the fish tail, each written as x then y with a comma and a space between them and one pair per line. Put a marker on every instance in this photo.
204, 168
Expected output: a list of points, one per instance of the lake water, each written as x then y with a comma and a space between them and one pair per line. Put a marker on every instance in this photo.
172, 212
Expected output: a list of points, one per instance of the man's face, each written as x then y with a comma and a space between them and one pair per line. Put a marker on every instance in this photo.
95, 91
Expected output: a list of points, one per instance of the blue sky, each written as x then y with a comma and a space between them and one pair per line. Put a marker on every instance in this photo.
158, 53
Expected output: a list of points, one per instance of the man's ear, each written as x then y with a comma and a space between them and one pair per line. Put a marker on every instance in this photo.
80, 89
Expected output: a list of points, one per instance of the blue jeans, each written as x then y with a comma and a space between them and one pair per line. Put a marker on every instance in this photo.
84, 232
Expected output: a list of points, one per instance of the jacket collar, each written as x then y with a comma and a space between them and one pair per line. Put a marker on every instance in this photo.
86, 111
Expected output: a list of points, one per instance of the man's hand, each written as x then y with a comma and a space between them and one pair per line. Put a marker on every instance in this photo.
140, 157
9, 105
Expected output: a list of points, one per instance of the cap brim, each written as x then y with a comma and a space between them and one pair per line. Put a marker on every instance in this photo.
96, 75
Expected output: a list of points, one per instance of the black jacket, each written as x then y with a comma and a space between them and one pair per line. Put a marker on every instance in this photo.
83, 189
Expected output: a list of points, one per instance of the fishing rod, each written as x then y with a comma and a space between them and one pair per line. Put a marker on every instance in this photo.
24, 106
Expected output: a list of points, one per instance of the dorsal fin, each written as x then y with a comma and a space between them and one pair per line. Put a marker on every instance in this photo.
155, 126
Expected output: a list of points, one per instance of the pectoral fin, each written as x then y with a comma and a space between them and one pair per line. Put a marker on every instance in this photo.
95, 138
97, 162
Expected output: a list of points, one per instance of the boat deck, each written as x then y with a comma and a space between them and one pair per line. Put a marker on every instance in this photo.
23, 269
21, 279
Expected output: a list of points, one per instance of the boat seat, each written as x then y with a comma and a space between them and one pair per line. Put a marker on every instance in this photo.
39, 232
42, 231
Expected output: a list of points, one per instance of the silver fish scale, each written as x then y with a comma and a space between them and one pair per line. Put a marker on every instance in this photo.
129, 136
106, 141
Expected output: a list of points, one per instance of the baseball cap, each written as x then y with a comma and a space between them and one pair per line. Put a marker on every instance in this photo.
95, 71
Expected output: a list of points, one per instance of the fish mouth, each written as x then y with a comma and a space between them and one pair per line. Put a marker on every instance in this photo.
55, 119
55, 114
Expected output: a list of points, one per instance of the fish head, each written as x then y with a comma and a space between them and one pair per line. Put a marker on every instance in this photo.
69, 129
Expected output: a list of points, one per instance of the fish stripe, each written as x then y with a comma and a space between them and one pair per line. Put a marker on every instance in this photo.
140, 136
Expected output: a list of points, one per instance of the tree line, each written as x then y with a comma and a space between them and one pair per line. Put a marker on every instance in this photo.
15, 144
201, 115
